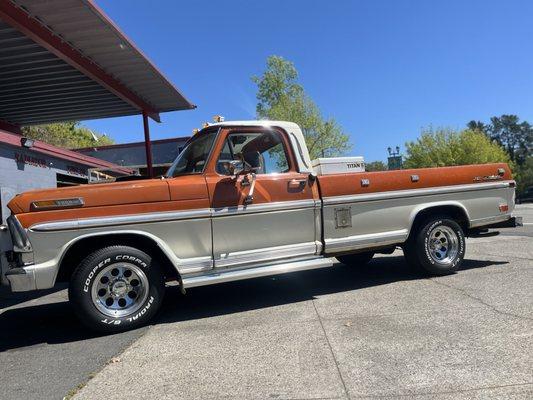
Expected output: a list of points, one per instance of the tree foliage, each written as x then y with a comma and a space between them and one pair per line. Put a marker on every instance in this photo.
524, 175
281, 97
70, 135
517, 139
515, 136
375, 166
445, 147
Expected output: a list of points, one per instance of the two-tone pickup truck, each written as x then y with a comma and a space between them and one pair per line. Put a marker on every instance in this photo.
240, 201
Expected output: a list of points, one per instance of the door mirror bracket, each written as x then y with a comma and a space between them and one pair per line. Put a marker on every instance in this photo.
250, 198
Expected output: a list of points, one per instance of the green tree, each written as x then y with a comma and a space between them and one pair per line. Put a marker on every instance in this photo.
376, 166
478, 126
70, 135
515, 136
445, 147
524, 175
281, 97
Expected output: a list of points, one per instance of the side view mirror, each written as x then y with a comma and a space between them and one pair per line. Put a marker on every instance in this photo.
234, 168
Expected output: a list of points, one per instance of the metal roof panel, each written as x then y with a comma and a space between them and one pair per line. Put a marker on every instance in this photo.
37, 86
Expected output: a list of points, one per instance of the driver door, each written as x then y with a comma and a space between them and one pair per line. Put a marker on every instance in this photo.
281, 221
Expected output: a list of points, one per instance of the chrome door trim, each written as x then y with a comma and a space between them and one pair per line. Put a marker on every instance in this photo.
270, 253
129, 219
265, 207
196, 264
335, 245
395, 194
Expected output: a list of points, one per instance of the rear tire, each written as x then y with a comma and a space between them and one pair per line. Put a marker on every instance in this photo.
437, 246
358, 259
116, 288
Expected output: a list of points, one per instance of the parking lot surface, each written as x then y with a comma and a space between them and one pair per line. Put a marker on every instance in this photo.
380, 331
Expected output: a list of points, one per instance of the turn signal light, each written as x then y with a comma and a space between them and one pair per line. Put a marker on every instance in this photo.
55, 204
503, 207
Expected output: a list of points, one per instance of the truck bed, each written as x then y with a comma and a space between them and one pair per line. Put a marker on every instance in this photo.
377, 209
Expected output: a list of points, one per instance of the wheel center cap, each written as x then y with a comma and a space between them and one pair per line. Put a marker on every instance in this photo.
119, 288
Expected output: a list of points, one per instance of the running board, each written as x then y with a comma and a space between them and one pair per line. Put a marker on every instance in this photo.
256, 272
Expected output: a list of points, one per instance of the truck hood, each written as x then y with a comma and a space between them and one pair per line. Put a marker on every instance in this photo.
97, 195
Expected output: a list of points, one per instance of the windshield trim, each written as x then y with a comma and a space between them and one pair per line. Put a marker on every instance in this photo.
203, 132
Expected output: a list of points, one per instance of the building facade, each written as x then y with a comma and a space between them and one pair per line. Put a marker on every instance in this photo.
27, 165
132, 155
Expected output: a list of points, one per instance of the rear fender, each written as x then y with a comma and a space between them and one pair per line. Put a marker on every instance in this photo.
436, 205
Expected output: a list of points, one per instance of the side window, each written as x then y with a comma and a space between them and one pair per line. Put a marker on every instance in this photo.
265, 151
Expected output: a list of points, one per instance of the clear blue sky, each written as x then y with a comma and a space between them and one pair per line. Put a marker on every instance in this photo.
383, 69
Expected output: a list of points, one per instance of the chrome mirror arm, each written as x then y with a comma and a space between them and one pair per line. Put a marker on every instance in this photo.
250, 198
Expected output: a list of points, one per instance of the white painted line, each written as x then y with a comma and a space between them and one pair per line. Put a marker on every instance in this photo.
527, 223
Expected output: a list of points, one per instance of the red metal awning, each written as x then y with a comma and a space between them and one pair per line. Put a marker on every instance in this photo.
66, 60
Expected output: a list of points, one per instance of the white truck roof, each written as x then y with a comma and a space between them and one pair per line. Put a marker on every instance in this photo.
295, 134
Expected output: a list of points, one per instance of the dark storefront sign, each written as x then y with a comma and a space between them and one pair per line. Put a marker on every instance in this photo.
30, 160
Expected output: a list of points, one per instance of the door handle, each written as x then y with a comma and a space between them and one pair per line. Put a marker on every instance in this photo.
297, 183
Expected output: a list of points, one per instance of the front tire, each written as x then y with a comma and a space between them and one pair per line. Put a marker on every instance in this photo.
437, 246
116, 288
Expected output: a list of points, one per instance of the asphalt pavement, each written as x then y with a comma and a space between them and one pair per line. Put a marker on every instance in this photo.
339, 333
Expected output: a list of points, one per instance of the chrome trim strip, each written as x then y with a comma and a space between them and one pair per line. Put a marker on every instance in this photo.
197, 264
265, 207
172, 215
269, 253
395, 194
121, 220
363, 241
255, 272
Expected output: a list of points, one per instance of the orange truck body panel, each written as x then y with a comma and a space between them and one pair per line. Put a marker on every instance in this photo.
107, 199
191, 192
384, 181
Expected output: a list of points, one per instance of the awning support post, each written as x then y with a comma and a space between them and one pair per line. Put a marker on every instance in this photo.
148, 146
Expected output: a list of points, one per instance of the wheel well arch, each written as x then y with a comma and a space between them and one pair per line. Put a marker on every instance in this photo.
82, 246
454, 210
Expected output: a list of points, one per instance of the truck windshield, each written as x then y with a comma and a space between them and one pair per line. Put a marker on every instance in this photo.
193, 157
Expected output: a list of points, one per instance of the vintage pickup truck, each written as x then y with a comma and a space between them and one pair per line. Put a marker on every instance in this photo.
240, 201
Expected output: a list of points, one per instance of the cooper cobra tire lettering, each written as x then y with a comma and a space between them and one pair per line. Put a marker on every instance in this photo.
91, 274
84, 277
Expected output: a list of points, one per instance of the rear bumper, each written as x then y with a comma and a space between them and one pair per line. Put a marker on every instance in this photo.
512, 222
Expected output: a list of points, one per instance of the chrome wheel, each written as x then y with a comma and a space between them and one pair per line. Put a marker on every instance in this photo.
119, 289
443, 245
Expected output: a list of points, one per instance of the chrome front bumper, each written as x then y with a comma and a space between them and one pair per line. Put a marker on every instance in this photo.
21, 279
15, 269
